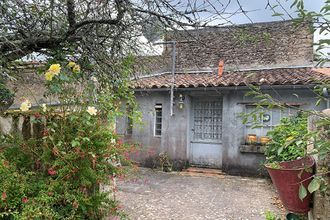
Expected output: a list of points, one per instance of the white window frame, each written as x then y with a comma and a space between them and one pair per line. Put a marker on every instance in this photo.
272, 124
158, 106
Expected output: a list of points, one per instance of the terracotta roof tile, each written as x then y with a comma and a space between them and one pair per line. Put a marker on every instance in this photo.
279, 76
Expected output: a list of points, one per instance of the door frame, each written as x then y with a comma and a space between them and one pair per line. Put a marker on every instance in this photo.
192, 99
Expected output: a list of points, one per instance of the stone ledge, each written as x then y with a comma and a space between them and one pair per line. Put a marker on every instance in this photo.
259, 149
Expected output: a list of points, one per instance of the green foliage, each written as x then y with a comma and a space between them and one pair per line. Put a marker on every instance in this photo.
243, 38
289, 139
270, 216
57, 173
6, 96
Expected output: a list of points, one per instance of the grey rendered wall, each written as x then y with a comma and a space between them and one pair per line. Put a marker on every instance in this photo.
174, 129
234, 161
175, 138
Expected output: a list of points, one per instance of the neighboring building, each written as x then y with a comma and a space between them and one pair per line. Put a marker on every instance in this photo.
26, 84
206, 129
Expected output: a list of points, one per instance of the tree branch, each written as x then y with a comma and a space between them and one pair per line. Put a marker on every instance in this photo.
97, 21
71, 16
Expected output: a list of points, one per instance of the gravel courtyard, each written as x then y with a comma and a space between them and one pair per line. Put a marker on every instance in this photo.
157, 195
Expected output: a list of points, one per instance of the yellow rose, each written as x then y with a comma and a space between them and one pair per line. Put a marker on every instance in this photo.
71, 64
290, 138
55, 69
76, 69
49, 75
91, 110
25, 106
44, 107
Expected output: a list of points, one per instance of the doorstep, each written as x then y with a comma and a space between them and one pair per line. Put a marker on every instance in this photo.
204, 170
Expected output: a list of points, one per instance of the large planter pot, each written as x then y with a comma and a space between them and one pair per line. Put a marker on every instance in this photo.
287, 179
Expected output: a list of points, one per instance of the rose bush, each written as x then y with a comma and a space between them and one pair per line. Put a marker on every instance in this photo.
57, 173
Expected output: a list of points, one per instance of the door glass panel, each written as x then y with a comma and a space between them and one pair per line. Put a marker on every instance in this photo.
207, 118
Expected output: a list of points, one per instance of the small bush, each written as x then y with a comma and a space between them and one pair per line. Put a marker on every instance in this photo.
289, 140
57, 175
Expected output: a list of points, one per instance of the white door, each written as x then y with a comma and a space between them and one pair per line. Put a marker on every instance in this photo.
206, 128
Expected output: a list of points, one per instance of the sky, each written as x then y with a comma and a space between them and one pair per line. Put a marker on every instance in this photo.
259, 13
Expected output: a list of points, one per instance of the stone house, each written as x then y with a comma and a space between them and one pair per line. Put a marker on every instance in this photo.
214, 71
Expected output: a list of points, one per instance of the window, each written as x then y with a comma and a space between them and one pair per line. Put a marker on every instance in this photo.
270, 118
158, 119
129, 120
129, 128
207, 120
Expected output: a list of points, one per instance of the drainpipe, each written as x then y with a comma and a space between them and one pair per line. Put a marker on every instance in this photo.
173, 43
173, 79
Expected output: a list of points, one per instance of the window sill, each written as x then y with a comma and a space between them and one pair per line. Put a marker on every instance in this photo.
258, 149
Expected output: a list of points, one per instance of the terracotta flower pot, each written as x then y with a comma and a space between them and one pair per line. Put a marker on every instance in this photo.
264, 140
251, 139
287, 182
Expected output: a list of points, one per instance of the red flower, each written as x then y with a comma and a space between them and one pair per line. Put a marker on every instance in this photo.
51, 171
4, 196
45, 133
25, 199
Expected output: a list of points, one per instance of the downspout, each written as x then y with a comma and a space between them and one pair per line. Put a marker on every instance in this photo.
173, 43
173, 77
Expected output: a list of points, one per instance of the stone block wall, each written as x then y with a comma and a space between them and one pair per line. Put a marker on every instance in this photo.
27, 83
272, 44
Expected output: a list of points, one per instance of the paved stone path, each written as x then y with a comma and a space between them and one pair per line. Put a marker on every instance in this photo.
186, 196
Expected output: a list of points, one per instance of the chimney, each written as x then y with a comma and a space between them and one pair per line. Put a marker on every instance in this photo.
221, 67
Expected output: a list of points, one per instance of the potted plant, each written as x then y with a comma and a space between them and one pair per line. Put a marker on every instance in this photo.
287, 163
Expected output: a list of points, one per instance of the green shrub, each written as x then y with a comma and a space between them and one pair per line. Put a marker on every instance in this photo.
289, 140
270, 216
6, 96
57, 174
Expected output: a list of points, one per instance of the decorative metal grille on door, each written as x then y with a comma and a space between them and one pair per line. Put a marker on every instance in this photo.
207, 118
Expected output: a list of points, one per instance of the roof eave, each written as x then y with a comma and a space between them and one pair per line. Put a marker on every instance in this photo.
264, 87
